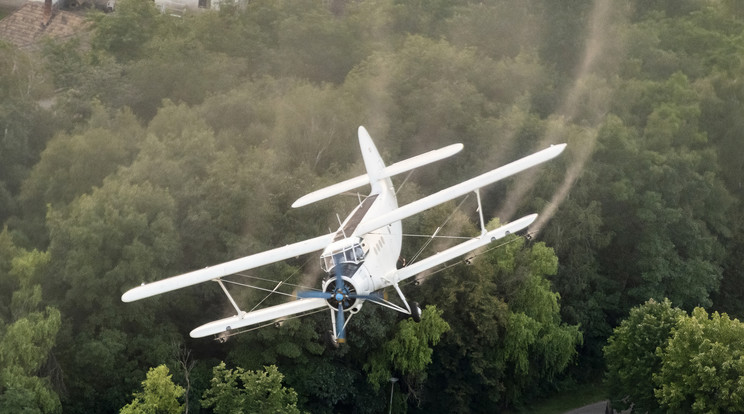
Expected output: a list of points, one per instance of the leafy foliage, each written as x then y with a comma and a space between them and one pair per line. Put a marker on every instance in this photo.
702, 365
27, 336
633, 354
159, 395
507, 338
409, 351
661, 359
240, 391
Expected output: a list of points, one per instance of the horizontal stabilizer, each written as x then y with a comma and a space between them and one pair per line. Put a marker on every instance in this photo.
463, 248
389, 171
228, 268
459, 190
258, 316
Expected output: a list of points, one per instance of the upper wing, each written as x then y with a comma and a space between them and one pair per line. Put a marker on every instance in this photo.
258, 316
389, 171
459, 189
463, 248
228, 268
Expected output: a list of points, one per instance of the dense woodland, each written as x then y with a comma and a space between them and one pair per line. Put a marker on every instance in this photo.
157, 144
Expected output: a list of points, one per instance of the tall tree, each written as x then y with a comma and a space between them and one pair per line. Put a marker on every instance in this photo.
125, 33
702, 365
238, 391
115, 238
409, 352
668, 185
507, 337
24, 125
159, 395
73, 164
632, 357
27, 334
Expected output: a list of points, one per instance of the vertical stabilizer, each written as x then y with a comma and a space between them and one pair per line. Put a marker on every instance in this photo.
372, 160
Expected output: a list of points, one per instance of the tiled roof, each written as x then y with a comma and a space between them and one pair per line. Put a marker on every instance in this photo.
24, 27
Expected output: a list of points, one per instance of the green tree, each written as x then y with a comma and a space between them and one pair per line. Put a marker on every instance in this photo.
507, 338
238, 391
73, 164
159, 395
662, 176
105, 242
27, 335
632, 358
409, 352
702, 365
24, 125
25, 345
125, 33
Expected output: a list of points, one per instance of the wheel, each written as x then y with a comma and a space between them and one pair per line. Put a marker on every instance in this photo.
415, 312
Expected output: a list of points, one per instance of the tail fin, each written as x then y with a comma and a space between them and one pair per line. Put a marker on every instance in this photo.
372, 160
388, 171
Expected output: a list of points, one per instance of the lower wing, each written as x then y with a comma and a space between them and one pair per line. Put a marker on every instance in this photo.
262, 315
463, 248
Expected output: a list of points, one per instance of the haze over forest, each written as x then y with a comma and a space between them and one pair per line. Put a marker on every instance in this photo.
165, 144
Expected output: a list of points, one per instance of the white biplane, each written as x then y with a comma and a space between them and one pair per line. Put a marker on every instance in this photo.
361, 256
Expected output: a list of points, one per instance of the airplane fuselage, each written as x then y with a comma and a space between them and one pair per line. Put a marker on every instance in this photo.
364, 261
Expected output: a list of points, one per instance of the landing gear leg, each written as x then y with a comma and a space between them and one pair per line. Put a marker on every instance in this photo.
412, 308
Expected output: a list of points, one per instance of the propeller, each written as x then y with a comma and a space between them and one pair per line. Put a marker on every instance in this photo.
340, 295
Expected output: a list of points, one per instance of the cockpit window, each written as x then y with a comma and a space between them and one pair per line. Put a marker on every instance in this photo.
351, 254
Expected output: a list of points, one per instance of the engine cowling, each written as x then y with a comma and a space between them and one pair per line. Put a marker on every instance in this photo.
342, 291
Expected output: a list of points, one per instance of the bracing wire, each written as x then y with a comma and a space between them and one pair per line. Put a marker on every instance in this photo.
258, 287
267, 280
428, 236
272, 291
474, 255
404, 181
431, 238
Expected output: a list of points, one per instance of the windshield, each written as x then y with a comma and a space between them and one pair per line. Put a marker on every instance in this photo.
353, 254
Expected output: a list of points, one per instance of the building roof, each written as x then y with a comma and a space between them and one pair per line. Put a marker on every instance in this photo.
24, 28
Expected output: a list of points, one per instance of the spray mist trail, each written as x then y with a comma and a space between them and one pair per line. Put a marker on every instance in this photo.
599, 49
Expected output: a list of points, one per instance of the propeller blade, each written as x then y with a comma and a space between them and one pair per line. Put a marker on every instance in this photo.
340, 324
313, 294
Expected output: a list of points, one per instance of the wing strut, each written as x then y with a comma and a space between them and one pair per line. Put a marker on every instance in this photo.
224, 289
480, 211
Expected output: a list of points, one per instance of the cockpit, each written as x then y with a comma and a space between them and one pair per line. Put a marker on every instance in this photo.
343, 252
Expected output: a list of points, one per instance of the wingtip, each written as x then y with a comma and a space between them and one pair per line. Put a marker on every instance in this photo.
560, 147
127, 297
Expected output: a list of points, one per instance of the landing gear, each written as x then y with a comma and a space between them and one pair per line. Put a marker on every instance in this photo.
415, 312
411, 308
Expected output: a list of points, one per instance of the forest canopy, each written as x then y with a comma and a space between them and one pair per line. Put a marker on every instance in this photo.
154, 144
